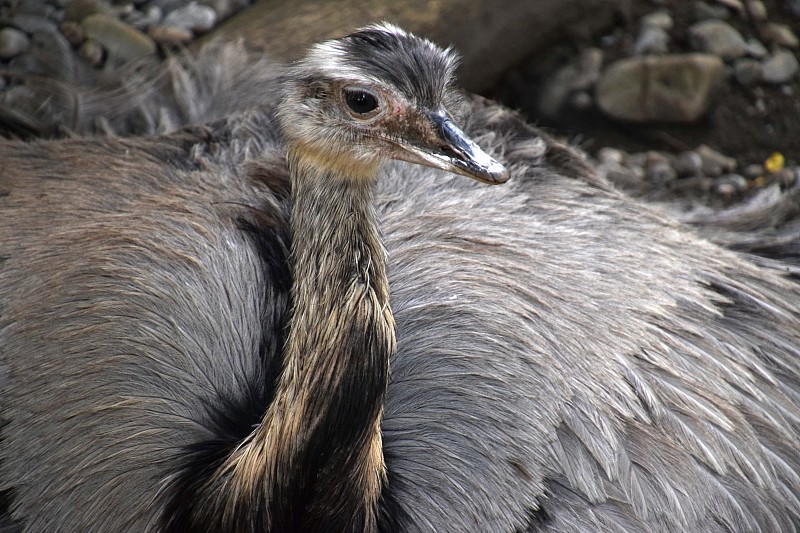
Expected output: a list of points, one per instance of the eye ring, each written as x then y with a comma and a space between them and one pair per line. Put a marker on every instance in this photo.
361, 103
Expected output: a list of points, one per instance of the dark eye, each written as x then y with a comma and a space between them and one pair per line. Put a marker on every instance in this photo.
360, 102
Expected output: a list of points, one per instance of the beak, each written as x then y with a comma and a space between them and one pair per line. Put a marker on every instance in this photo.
449, 148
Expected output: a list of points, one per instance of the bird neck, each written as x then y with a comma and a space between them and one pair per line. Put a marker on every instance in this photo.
321, 435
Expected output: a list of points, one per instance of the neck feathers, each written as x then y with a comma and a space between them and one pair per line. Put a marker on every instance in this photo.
316, 460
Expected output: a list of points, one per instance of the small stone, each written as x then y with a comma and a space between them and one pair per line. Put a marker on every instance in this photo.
704, 11
747, 71
623, 177
725, 189
757, 9
77, 10
781, 67
12, 43
753, 171
169, 35
581, 100
714, 163
732, 183
121, 40
32, 23
658, 19
673, 88
688, 164
756, 49
610, 155
73, 32
142, 20
92, 52
579, 75
195, 17
718, 38
781, 35
658, 169
651, 40
788, 177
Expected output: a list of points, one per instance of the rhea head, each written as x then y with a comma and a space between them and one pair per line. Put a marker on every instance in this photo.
380, 93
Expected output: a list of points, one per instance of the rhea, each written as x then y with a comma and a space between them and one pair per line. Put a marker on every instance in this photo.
197, 329
344, 110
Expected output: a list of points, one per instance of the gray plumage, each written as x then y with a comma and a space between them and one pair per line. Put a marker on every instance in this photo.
568, 359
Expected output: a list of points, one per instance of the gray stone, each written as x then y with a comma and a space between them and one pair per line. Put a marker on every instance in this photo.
581, 100
658, 169
12, 42
658, 19
92, 52
718, 38
714, 163
688, 164
757, 9
121, 40
781, 67
32, 23
580, 75
609, 155
672, 88
651, 40
747, 71
148, 17
730, 184
788, 177
169, 35
194, 17
753, 171
781, 35
756, 49
77, 10
73, 32
705, 11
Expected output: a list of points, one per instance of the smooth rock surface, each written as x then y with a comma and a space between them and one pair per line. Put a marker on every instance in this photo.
781, 67
675, 88
12, 42
120, 40
194, 17
718, 38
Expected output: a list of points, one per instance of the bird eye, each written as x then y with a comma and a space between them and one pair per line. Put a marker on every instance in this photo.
360, 101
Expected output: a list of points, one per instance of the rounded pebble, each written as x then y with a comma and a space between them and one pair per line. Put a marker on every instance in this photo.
718, 38
73, 32
781, 35
92, 52
169, 35
688, 164
120, 40
780, 67
12, 42
194, 17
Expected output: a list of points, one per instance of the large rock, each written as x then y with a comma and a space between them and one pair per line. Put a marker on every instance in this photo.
671, 88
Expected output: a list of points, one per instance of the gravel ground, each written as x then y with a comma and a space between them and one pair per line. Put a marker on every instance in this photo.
683, 99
